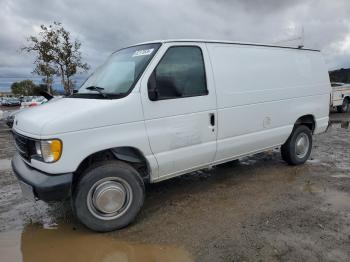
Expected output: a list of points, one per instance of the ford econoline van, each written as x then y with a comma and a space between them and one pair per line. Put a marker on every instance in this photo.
161, 109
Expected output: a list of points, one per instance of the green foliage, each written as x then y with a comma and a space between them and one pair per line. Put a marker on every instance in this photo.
56, 54
24, 88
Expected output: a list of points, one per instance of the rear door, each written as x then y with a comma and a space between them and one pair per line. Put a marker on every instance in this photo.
179, 103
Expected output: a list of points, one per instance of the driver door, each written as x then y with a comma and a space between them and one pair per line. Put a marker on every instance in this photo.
179, 104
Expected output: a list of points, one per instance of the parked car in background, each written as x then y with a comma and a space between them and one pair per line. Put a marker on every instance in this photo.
162, 109
33, 101
11, 102
3, 101
26, 99
340, 96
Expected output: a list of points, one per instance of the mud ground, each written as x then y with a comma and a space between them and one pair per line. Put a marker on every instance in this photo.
257, 209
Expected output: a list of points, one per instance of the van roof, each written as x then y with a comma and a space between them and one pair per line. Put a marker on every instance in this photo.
225, 42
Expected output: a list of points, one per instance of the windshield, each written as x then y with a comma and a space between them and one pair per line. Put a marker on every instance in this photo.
119, 74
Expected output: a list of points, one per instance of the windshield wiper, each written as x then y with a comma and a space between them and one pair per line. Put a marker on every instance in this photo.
97, 89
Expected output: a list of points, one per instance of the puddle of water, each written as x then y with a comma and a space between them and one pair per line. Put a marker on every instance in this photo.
246, 161
341, 176
314, 161
36, 244
311, 188
340, 124
5, 164
338, 199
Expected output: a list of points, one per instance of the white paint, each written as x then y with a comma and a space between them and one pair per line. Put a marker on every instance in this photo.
254, 83
255, 92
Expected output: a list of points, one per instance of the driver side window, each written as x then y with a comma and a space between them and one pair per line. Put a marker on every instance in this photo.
179, 74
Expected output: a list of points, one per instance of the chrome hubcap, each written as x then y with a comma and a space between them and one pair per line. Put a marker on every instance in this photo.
109, 198
302, 145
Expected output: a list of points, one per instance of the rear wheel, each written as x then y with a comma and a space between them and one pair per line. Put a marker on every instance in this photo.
108, 196
297, 149
344, 107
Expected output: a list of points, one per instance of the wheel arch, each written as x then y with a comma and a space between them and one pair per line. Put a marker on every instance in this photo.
307, 120
130, 155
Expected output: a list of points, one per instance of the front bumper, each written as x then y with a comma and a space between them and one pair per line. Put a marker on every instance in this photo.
46, 187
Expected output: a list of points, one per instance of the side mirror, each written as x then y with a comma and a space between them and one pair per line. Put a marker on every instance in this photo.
152, 87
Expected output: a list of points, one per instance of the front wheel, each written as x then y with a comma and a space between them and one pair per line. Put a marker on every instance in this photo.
297, 149
108, 196
344, 107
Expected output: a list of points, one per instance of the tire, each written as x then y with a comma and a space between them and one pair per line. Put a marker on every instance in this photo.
108, 196
344, 107
293, 154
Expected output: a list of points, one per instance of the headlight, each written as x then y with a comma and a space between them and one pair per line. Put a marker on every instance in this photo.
49, 150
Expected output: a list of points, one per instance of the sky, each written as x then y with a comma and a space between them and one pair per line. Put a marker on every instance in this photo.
105, 26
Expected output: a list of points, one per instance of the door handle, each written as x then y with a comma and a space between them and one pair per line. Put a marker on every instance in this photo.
212, 119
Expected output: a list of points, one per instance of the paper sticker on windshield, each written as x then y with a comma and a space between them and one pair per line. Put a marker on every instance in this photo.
143, 52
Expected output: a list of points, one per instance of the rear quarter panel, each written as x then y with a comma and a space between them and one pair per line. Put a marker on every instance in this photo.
262, 91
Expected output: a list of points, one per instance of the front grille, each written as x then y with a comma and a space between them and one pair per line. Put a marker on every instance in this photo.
24, 145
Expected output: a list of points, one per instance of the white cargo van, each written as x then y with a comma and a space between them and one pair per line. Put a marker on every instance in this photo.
161, 109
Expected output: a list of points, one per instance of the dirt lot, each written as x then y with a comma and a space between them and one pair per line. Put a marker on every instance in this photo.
258, 209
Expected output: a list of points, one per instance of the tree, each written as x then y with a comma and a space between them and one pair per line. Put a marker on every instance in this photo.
66, 56
24, 88
46, 70
56, 53
41, 45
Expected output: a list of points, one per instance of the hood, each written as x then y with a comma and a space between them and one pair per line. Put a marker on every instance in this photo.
73, 114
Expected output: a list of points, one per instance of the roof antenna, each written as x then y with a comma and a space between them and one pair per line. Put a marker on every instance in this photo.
302, 38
